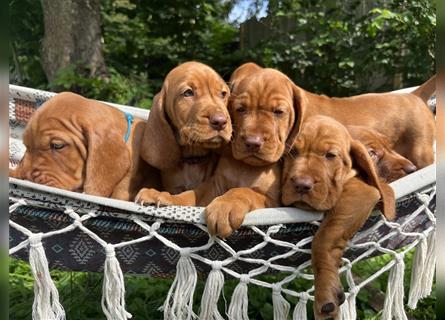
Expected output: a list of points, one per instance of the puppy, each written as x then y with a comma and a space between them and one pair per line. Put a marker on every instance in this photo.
326, 170
264, 109
404, 118
389, 164
187, 126
82, 145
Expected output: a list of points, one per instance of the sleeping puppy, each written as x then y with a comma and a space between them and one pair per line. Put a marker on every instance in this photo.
389, 164
187, 126
264, 109
326, 170
82, 145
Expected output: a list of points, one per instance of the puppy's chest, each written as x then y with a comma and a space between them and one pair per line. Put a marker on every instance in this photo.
187, 176
238, 174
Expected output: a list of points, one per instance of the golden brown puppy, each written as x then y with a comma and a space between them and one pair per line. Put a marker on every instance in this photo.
248, 176
241, 72
404, 118
407, 123
187, 125
327, 170
389, 164
78, 144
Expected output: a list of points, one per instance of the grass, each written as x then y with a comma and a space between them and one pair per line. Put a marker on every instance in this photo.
80, 293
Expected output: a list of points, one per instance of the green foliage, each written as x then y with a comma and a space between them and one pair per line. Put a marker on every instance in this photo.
340, 48
336, 48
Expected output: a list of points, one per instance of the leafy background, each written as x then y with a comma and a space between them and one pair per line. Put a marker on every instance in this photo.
330, 47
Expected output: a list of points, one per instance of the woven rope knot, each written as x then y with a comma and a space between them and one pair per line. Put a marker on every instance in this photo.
267, 264
304, 297
21, 202
354, 290
155, 226
109, 251
244, 278
276, 289
399, 257
217, 265
424, 198
185, 252
267, 238
35, 240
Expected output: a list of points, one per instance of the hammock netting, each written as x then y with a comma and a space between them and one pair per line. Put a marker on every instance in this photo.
53, 228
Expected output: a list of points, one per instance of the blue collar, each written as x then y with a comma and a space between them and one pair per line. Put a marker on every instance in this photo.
129, 123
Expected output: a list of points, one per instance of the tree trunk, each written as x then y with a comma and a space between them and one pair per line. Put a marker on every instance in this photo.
72, 37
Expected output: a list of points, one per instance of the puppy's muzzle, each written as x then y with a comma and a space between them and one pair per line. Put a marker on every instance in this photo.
302, 184
218, 121
253, 143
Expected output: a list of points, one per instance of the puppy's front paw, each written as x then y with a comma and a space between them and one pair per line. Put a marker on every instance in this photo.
152, 196
328, 301
223, 216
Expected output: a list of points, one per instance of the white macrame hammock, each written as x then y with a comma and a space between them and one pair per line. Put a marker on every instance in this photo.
42, 217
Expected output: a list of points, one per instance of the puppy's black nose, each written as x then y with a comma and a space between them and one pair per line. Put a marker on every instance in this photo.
218, 121
303, 184
409, 168
253, 143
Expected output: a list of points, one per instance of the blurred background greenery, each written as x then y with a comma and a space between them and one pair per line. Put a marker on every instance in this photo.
121, 50
332, 47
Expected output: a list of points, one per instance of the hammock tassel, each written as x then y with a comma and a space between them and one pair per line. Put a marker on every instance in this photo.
300, 312
430, 266
113, 288
179, 301
239, 302
348, 308
281, 307
393, 306
212, 291
46, 304
417, 273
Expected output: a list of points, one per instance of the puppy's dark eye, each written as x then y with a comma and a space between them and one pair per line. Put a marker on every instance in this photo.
278, 112
188, 93
223, 94
330, 155
373, 154
294, 152
57, 146
240, 109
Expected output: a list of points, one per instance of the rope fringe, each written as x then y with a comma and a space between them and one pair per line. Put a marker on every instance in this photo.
238, 308
281, 307
113, 288
430, 265
46, 304
417, 273
179, 301
212, 291
300, 311
393, 306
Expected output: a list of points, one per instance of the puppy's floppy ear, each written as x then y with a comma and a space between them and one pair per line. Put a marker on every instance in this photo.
108, 159
159, 147
300, 105
363, 161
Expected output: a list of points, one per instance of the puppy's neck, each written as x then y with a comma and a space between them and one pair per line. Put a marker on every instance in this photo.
195, 155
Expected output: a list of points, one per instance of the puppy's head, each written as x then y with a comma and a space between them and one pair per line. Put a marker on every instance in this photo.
241, 72
322, 158
389, 164
265, 107
75, 144
190, 111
